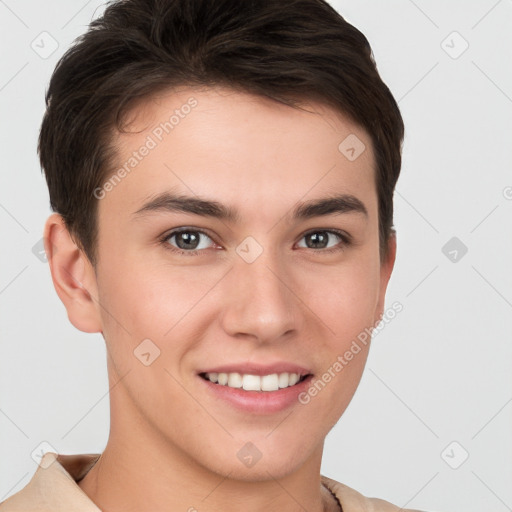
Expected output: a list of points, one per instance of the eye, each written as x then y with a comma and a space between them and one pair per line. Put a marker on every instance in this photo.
186, 241
329, 240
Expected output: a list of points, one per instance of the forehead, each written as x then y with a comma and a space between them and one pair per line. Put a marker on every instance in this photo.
240, 147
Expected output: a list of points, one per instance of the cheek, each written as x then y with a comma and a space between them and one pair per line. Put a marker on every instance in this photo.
142, 301
345, 299
348, 307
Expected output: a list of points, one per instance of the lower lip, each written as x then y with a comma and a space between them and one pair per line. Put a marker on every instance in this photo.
258, 402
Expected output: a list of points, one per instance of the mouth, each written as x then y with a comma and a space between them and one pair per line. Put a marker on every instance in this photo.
261, 383
259, 388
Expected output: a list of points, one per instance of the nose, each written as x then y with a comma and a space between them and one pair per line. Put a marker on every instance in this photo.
260, 302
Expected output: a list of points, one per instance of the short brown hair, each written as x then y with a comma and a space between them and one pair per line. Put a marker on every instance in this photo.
283, 50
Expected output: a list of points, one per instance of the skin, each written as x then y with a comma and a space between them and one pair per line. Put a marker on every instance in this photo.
171, 446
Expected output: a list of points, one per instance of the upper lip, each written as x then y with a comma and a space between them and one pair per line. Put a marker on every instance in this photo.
259, 369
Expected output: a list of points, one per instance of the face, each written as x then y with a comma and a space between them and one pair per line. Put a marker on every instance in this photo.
271, 267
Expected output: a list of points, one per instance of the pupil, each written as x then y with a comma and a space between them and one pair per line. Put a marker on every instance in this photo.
319, 239
188, 238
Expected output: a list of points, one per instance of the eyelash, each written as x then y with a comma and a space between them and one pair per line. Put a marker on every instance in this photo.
164, 240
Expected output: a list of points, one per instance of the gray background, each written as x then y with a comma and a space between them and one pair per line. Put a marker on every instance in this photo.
439, 373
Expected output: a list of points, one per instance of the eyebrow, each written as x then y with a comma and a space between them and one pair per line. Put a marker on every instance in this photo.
172, 203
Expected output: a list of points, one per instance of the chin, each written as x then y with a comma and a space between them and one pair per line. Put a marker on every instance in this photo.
260, 472
252, 464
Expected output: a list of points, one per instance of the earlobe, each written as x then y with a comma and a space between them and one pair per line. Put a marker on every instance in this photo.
73, 276
386, 269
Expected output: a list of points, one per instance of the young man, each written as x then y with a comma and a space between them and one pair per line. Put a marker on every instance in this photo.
222, 174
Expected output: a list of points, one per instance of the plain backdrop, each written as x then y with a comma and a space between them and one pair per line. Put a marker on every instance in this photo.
430, 425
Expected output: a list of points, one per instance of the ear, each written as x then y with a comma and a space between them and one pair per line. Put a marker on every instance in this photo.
386, 268
73, 276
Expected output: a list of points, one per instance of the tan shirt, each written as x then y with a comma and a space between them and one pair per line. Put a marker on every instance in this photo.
54, 488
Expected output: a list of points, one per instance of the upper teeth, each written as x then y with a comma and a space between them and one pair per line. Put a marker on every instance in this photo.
254, 382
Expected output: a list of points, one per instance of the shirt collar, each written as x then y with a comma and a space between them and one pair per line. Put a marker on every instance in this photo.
53, 487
